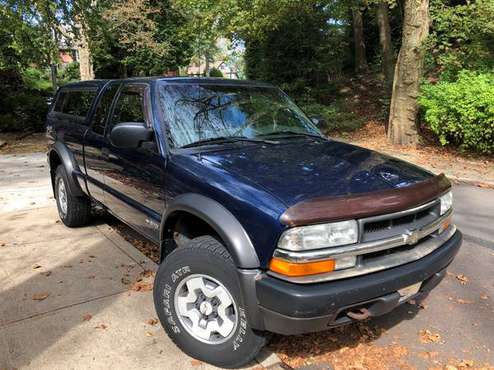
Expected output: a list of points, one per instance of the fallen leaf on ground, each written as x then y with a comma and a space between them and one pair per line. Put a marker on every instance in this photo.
40, 296
101, 326
149, 334
152, 321
87, 317
195, 362
463, 301
142, 286
36, 267
147, 273
426, 336
428, 355
462, 278
484, 296
465, 363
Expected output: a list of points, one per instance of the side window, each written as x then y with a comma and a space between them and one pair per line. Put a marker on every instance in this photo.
74, 102
129, 106
103, 108
59, 103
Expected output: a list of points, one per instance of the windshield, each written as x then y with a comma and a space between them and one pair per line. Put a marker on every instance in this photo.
201, 113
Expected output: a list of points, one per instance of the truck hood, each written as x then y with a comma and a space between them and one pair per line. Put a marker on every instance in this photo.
299, 169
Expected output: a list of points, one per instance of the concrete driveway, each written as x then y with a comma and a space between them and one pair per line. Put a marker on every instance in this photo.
73, 298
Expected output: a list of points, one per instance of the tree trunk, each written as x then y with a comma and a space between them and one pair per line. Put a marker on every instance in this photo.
402, 128
85, 62
386, 45
358, 40
206, 67
53, 77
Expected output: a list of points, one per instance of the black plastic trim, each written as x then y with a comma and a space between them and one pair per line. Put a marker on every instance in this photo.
222, 221
322, 299
71, 167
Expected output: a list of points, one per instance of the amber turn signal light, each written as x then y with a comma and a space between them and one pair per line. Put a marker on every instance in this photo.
300, 269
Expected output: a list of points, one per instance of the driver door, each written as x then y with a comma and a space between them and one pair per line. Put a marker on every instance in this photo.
134, 177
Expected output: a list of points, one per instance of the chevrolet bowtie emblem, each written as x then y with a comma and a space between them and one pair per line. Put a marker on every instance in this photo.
411, 237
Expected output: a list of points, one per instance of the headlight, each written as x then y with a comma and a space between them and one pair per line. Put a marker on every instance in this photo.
319, 236
446, 202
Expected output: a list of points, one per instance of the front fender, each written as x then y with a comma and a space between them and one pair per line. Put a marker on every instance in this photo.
222, 221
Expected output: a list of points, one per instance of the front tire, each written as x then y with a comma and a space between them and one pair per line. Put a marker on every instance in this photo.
198, 301
73, 211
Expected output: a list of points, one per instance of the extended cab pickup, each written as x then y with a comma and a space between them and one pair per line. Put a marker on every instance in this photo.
264, 224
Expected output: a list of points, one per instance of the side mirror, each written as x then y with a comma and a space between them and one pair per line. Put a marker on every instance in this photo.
318, 120
130, 134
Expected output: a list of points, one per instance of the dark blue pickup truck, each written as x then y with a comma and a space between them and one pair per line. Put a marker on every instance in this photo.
264, 224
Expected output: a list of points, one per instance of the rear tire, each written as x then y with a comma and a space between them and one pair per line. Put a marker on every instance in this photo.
191, 319
73, 211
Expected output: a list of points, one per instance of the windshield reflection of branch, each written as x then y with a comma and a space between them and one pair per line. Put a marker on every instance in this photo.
205, 106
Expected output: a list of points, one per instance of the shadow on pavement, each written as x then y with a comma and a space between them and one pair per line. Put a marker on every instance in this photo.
48, 277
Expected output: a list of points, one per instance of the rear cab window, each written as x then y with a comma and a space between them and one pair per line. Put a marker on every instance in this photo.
75, 102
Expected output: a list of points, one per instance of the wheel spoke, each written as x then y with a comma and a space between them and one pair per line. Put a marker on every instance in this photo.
205, 307
226, 326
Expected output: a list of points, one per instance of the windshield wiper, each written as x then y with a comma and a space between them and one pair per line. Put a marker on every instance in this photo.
288, 133
226, 139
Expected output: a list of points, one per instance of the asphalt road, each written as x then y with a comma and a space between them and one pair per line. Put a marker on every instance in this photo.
463, 314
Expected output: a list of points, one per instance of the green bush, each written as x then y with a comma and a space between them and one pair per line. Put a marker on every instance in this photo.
69, 73
24, 111
461, 113
335, 118
21, 108
36, 79
215, 72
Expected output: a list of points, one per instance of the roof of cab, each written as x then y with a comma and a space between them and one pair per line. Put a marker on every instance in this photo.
185, 80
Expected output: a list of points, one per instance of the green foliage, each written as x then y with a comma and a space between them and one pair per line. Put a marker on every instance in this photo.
24, 35
215, 72
336, 119
462, 37
301, 46
137, 38
69, 73
36, 79
462, 112
21, 109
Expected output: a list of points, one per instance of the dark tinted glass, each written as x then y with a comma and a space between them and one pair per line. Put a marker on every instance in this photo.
99, 119
129, 107
78, 103
59, 103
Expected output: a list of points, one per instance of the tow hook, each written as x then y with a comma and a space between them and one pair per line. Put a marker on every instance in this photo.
361, 314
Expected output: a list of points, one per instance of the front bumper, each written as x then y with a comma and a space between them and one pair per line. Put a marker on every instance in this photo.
288, 308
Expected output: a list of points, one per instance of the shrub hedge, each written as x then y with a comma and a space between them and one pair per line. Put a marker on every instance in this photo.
461, 112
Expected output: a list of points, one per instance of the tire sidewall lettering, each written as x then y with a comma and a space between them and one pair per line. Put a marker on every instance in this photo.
167, 297
168, 293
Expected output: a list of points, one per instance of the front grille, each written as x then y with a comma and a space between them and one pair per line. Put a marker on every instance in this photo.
381, 227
